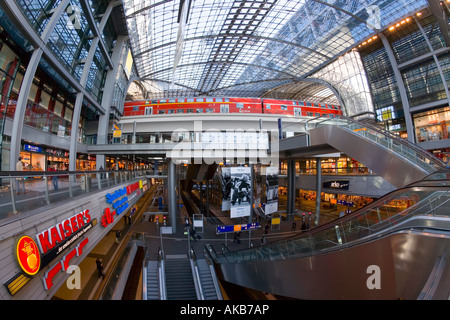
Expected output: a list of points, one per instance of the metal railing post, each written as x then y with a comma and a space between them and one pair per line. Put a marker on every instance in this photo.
47, 198
13, 200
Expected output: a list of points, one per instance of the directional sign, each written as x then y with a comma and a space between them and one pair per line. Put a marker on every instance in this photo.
237, 228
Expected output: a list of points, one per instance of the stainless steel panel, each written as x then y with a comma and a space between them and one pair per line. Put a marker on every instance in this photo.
405, 260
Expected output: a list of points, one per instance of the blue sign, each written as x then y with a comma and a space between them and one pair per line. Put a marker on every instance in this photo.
29, 147
237, 228
345, 203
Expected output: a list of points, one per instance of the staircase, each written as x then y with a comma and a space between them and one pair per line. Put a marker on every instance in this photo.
152, 280
179, 280
207, 283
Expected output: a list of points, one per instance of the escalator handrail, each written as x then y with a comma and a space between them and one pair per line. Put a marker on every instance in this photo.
161, 275
196, 274
436, 161
310, 233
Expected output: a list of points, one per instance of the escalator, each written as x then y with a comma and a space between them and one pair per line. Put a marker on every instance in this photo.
398, 247
395, 159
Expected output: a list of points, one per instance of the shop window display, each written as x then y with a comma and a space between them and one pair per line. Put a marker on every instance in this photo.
432, 125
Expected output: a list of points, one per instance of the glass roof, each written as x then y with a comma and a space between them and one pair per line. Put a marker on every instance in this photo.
243, 47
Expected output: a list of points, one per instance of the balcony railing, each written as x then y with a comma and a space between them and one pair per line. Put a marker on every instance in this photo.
23, 191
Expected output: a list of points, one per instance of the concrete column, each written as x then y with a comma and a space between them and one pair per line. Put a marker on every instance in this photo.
291, 189
172, 195
318, 189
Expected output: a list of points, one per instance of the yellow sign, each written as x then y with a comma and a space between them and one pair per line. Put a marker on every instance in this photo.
276, 220
237, 227
117, 133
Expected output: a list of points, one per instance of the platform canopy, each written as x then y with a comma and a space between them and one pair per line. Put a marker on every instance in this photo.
250, 48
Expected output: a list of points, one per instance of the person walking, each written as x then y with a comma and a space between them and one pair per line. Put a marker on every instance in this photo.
55, 178
20, 167
100, 268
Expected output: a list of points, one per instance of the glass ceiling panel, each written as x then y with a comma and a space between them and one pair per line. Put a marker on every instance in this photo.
231, 43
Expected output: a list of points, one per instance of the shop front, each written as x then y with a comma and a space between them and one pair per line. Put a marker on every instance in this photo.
432, 125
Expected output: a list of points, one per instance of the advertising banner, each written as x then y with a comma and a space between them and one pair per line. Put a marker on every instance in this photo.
271, 190
226, 188
241, 191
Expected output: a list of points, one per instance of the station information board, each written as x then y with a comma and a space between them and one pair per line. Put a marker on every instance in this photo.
237, 227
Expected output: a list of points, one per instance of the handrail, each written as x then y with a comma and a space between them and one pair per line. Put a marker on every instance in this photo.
210, 261
363, 224
409, 144
24, 191
161, 276
435, 162
196, 274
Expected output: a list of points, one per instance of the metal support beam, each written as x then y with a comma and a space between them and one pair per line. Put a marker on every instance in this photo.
401, 87
318, 188
436, 60
172, 196
291, 189
16, 134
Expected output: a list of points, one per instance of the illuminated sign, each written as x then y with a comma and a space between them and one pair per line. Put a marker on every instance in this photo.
337, 184
32, 255
28, 256
237, 227
120, 201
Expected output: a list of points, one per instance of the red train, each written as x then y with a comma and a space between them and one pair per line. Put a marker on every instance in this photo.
230, 105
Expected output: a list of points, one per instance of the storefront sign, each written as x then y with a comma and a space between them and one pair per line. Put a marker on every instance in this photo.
28, 256
33, 255
63, 232
29, 147
120, 201
337, 184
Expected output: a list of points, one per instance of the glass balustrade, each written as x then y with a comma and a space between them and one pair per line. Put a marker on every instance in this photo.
21, 192
385, 215
425, 160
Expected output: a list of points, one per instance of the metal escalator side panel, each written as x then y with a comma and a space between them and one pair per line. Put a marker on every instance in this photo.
395, 266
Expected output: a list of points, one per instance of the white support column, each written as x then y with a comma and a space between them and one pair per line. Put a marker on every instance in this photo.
401, 87
103, 123
16, 134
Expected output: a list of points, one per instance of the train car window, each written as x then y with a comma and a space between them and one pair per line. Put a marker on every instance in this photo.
172, 100
190, 100
239, 105
267, 106
170, 111
199, 110
148, 111
209, 110
161, 112
180, 111
301, 103
226, 100
189, 110
309, 104
283, 107
136, 108
163, 101
309, 114
154, 102
317, 114
200, 100
209, 100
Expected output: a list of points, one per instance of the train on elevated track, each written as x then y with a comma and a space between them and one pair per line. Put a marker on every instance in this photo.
230, 105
